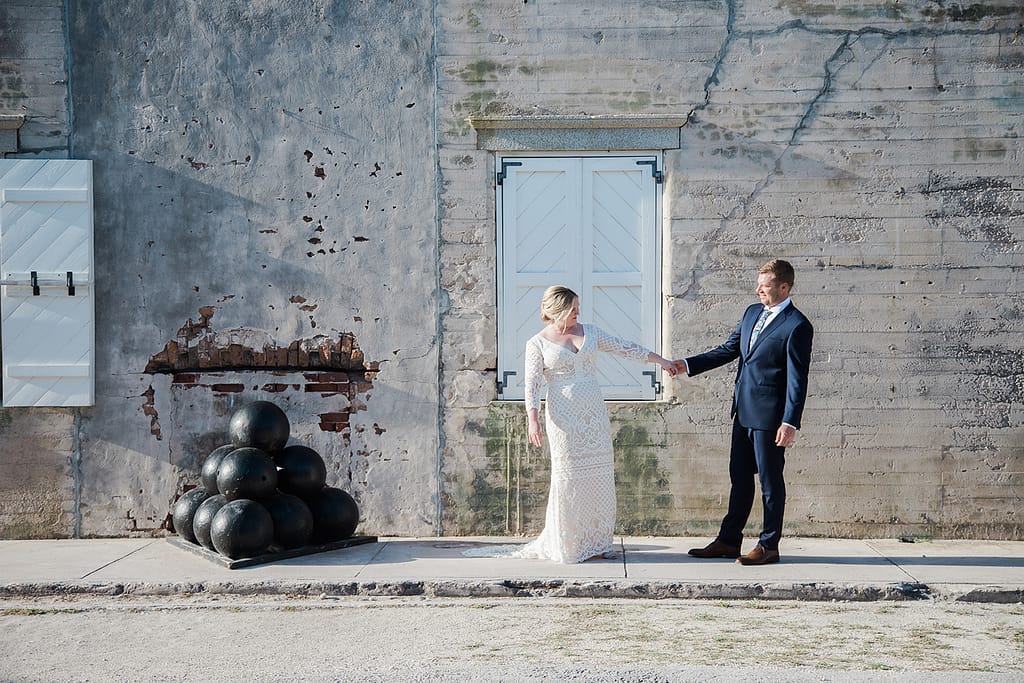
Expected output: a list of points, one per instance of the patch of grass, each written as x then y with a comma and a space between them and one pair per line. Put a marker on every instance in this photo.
35, 611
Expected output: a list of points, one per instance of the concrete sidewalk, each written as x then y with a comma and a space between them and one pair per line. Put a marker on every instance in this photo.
811, 569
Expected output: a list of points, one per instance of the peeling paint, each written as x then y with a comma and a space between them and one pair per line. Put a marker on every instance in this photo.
331, 367
149, 409
201, 348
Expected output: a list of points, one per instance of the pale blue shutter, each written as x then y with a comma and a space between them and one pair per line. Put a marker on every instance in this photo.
620, 273
46, 303
591, 224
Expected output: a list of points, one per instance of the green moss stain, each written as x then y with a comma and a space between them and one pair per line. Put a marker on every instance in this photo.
641, 484
635, 102
12, 87
505, 492
6, 420
481, 103
26, 530
486, 102
895, 10
892, 10
974, 12
479, 70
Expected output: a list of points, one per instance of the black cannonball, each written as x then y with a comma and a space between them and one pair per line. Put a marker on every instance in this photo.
303, 472
242, 528
203, 519
260, 424
185, 509
247, 473
293, 521
335, 515
208, 473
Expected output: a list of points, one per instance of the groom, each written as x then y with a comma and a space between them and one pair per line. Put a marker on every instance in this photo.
773, 345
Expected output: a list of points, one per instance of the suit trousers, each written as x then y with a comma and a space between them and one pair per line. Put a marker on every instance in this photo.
754, 453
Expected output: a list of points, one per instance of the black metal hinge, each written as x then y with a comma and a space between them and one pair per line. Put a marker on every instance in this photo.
503, 382
500, 177
653, 163
654, 382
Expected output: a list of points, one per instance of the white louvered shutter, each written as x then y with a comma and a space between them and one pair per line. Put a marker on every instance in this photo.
46, 235
591, 224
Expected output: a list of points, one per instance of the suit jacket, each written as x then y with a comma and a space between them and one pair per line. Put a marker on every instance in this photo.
771, 378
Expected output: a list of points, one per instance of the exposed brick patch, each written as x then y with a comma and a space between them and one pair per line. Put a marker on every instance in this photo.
191, 330
228, 388
334, 377
276, 388
198, 348
199, 354
334, 422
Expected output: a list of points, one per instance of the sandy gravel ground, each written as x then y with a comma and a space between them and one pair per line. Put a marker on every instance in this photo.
226, 638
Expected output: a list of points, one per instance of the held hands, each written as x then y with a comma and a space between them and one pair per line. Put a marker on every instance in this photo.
668, 366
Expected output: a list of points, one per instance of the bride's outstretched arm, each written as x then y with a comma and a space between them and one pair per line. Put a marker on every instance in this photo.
534, 376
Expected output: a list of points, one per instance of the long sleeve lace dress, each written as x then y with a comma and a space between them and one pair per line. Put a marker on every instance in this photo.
580, 518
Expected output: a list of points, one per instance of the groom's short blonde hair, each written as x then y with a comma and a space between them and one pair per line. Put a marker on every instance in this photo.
781, 270
556, 302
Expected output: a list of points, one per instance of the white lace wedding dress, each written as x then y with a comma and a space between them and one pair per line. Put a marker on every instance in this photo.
580, 518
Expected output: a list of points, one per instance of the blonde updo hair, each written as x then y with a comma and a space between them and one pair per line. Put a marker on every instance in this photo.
556, 303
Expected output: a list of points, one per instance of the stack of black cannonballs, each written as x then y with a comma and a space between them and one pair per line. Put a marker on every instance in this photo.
258, 495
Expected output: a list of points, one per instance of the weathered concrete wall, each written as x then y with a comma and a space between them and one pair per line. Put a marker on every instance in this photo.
292, 205
875, 146
265, 228
33, 79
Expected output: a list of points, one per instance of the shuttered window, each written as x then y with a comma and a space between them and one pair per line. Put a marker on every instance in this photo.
590, 223
46, 297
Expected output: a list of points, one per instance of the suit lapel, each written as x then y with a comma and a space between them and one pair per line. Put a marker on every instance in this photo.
749, 321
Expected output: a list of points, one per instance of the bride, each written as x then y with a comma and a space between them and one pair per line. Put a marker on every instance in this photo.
580, 519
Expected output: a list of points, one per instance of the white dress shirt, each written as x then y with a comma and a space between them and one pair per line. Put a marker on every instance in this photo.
773, 311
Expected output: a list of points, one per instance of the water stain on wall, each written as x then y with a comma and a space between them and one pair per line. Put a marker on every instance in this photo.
641, 484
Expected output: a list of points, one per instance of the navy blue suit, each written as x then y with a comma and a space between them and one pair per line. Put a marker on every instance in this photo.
771, 387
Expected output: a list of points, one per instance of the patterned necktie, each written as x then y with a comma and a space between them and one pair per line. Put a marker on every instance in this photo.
759, 326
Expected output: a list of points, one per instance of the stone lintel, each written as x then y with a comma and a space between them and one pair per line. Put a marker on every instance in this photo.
577, 133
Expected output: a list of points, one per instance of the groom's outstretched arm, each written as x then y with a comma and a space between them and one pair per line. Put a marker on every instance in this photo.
724, 353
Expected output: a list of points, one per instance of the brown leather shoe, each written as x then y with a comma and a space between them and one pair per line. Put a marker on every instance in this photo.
759, 555
716, 549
